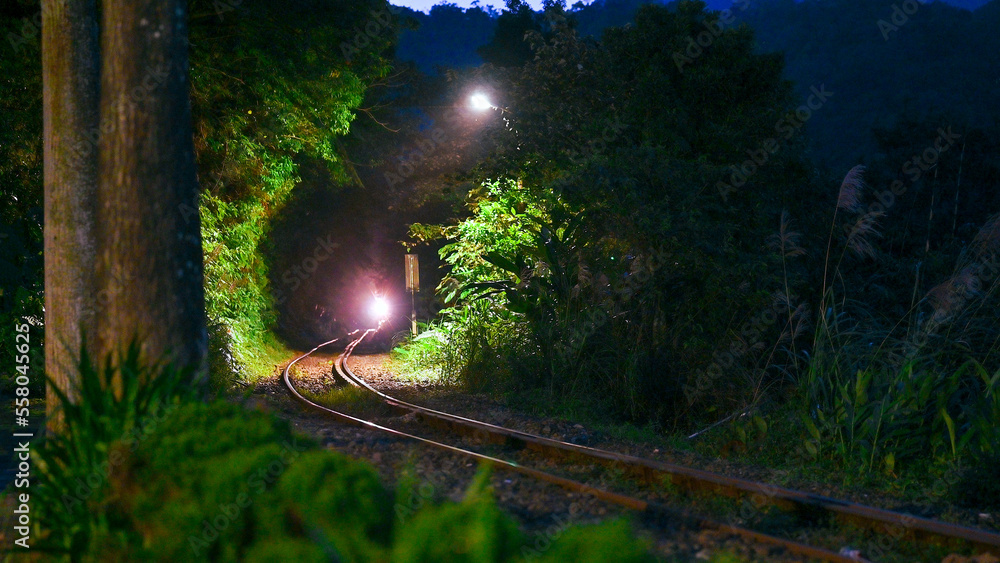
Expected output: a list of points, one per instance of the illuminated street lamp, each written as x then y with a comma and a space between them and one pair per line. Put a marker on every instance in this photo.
480, 102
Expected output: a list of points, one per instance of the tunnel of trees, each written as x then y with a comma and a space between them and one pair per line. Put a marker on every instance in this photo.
668, 216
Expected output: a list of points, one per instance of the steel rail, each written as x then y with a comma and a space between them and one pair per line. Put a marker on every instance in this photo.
648, 508
809, 505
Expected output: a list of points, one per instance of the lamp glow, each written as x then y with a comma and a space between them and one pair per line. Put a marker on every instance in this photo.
379, 309
480, 102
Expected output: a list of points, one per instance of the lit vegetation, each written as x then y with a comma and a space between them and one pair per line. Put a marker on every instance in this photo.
271, 88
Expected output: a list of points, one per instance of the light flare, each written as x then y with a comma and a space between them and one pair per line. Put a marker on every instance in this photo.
380, 308
480, 102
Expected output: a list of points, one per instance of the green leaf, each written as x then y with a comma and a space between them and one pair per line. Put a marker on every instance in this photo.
811, 449
951, 430
761, 425
503, 263
813, 431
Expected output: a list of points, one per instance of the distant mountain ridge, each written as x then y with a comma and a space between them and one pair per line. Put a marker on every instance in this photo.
964, 4
449, 35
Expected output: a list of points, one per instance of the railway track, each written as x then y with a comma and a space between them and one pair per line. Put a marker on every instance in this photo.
807, 506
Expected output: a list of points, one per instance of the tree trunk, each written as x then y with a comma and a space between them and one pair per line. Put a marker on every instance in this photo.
148, 229
70, 76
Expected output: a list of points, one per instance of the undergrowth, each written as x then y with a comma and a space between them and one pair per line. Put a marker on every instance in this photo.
826, 379
154, 474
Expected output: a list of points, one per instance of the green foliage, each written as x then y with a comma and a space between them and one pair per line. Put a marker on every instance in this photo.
880, 418
420, 358
485, 347
598, 241
114, 408
606, 543
508, 46
924, 388
272, 87
21, 279
149, 474
475, 531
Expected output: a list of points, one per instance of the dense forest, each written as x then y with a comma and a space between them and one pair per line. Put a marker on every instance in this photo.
778, 221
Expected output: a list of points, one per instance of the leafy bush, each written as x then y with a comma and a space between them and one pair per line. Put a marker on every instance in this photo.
422, 357
879, 417
606, 261
476, 530
21, 242
271, 89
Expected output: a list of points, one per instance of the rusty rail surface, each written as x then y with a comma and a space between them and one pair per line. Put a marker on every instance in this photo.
881, 521
645, 507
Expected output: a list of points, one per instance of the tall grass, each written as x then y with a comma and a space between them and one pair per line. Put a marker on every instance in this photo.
877, 392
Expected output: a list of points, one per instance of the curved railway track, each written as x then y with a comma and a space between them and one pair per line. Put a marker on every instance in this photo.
809, 506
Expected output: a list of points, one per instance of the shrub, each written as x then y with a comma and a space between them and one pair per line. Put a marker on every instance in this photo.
75, 465
476, 531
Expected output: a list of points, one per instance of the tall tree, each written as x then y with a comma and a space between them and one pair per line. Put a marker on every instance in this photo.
508, 47
70, 74
148, 232
122, 235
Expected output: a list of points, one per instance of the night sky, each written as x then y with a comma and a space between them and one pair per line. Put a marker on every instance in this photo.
425, 5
